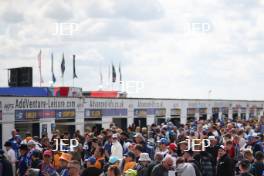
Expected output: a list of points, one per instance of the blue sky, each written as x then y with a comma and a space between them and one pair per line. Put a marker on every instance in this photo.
177, 49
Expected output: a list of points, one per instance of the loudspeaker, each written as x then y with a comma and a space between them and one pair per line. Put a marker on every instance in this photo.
20, 77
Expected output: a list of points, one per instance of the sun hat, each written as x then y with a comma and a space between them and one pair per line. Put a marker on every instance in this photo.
113, 159
144, 157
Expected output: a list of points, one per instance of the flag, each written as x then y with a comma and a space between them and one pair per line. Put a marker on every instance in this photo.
113, 74
39, 65
101, 77
52, 72
74, 70
120, 74
109, 74
62, 65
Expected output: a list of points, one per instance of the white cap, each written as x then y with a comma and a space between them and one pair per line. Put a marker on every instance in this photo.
211, 138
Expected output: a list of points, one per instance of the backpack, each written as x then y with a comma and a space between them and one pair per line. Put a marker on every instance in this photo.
206, 167
150, 150
197, 169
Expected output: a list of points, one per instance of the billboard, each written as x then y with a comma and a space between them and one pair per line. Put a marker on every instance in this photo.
36, 114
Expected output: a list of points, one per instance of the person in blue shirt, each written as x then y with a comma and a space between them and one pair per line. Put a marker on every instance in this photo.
23, 163
15, 142
256, 144
46, 168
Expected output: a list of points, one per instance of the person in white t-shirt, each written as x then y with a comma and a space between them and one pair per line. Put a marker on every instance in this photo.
116, 149
11, 156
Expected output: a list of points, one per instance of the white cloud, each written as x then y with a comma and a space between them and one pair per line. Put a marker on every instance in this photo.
156, 42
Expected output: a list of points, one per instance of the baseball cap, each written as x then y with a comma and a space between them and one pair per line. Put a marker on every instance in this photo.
36, 153
221, 147
47, 153
91, 160
172, 146
163, 141
130, 154
211, 138
23, 147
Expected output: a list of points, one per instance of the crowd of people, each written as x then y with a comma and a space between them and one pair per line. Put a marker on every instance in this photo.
199, 148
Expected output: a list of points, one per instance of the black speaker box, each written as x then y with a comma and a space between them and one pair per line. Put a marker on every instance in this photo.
20, 77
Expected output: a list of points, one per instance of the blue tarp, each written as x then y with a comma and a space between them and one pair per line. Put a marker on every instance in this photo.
26, 91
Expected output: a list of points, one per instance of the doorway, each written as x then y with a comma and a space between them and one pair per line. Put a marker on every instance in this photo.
141, 122
121, 123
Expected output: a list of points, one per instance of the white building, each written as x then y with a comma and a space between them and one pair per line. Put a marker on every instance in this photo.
41, 115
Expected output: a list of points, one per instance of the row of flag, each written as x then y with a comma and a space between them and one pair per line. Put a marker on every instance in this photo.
113, 70
52, 70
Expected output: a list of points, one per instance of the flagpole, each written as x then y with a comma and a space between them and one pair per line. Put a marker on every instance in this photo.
39, 65
109, 77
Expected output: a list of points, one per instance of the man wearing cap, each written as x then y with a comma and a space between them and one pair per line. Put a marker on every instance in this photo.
46, 168
129, 161
124, 141
183, 145
163, 142
23, 162
11, 155
212, 149
256, 143
35, 157
31, 147
116, 148
172, 148
91, 169
64, 160
225, 166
